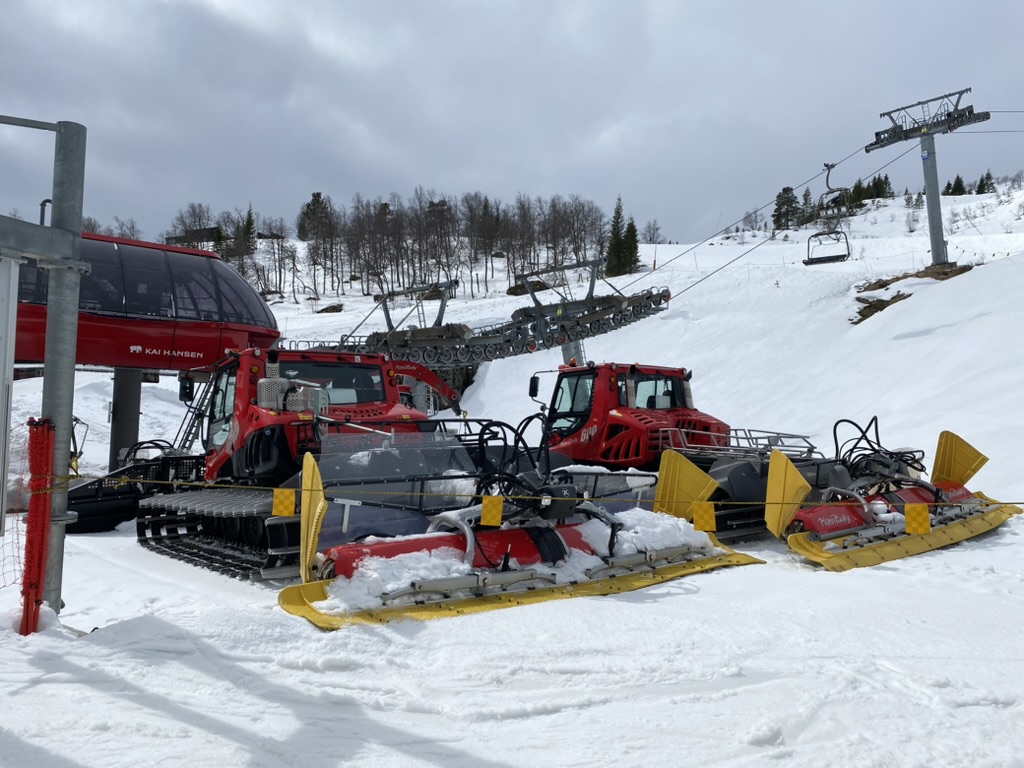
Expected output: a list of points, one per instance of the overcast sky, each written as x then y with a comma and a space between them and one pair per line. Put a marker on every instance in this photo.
693, 112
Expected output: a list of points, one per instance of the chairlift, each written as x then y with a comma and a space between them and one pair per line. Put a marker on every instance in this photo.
830, 243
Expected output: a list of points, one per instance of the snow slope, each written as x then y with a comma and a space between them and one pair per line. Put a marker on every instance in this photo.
912, 663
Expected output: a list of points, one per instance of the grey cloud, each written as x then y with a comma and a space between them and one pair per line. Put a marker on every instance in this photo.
693, 112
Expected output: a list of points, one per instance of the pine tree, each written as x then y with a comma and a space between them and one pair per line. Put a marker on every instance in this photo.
948, 189
787, 209
631, 246
615, 262
876, 189
807, 212
858, 194
986, 184
958, 188
246, 235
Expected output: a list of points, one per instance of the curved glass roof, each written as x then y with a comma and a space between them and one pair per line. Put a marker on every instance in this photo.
131, 280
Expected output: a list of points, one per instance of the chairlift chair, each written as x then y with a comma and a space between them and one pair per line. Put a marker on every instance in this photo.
830, 243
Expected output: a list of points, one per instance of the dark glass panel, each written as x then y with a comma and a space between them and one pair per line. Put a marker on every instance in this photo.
147, 285
102, 290
32, 283
195, 294
239, 302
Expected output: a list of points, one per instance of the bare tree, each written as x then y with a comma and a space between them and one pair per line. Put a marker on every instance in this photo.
127, 228
651, 233
281, 256
92, 226
752, 220
192, 226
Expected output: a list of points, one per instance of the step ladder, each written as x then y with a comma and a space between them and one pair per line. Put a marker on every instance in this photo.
189, 430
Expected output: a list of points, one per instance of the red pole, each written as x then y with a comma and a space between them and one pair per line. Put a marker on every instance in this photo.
37, 533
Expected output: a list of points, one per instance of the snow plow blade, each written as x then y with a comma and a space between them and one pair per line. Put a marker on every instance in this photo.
938, 516
901, 546
786, 491
684, 490
483, 589
301, 599
956, 460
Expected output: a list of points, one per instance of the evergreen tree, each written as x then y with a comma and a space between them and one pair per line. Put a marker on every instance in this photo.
876, 189
807, 212
958, 188
245, 237
908, 199
631, 249
615, 262
858, 194
222, 243
312, 218
986, 184
787, 209
887, 189
948, 189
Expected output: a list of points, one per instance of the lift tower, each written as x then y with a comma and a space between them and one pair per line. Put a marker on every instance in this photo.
942, 114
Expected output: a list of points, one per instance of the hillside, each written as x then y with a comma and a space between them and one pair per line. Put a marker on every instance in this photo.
916, 662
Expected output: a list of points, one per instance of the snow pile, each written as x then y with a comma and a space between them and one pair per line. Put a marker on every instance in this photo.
644, 531
375, 577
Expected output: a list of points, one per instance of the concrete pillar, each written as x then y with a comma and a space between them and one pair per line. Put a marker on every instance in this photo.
126, 404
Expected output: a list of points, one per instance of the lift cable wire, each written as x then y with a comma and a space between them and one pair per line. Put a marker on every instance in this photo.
1018, 131
758, 210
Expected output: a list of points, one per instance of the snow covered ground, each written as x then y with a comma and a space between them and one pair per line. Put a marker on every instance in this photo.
912, 663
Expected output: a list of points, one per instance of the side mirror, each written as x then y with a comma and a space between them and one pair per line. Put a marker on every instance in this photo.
186, 389
534, 385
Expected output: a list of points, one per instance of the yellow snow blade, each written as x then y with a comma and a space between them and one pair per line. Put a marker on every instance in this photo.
301, 599
786, 491
314, 506
681, 483
956, 460
831, 555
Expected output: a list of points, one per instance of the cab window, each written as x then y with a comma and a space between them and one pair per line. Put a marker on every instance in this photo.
572, 402
222, 407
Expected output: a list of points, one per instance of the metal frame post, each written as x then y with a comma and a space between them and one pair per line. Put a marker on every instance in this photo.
931, 197
8, 325
55, 249
62, 338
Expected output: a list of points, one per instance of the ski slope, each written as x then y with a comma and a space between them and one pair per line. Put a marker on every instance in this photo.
912, 663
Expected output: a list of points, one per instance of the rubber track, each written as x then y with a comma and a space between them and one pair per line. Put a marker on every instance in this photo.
211, 556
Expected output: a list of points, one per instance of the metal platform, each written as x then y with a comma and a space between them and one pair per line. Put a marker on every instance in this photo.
531, 328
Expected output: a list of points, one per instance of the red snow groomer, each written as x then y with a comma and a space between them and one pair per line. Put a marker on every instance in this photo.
625, 416
870, 505
865, 505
